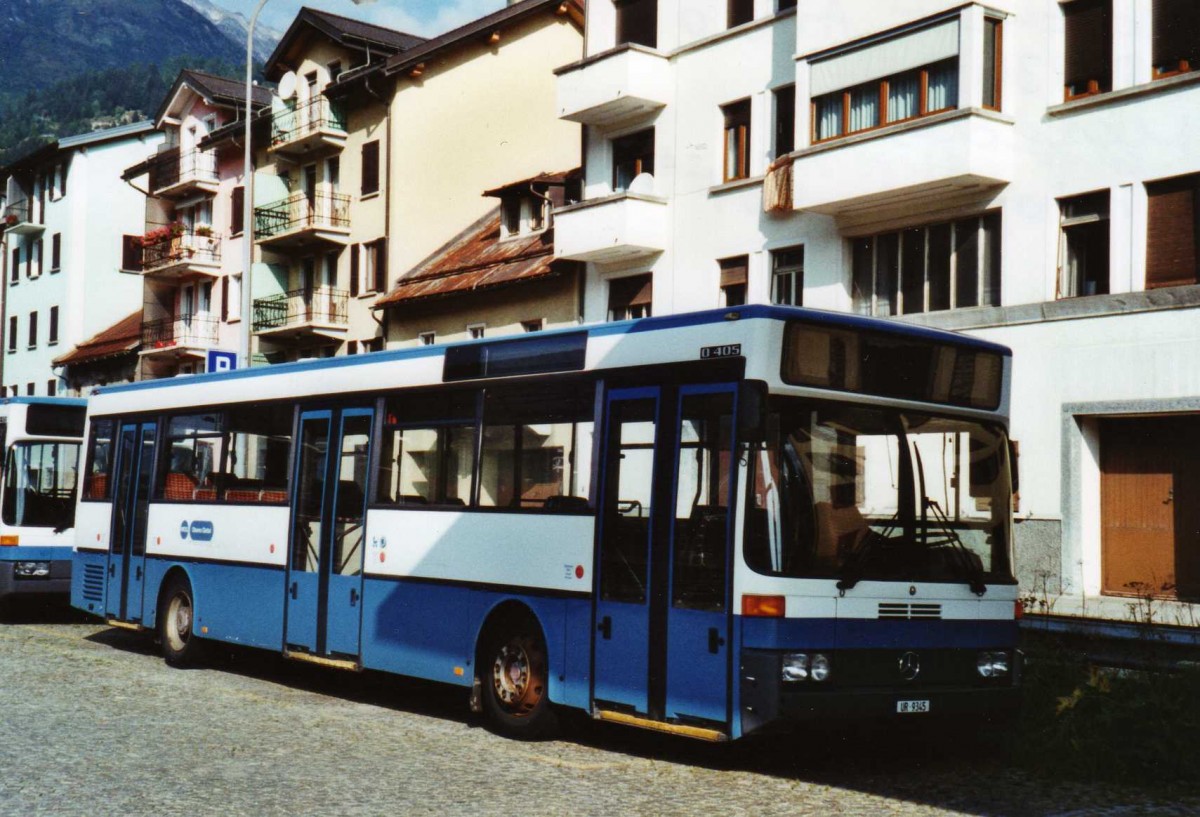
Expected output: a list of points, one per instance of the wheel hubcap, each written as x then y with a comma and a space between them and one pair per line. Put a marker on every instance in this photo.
180, 618
516, 677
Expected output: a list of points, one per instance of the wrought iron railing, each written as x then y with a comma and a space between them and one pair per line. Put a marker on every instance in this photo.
186, 330
19, 212
178, 247
314, 116
301, 211
301, 306
171, 167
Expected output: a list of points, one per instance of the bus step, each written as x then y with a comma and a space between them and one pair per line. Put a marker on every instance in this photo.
683, 730
124, 625
334, 663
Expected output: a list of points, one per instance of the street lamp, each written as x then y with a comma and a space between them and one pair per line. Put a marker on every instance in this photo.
248, 198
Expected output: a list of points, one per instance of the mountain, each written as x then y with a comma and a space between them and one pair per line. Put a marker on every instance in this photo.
234, 24
70, 66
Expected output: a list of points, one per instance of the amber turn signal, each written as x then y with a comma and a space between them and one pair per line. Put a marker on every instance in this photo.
10, 541
764, 606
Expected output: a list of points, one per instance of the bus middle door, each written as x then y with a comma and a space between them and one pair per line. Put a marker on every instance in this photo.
325, 567
131, 507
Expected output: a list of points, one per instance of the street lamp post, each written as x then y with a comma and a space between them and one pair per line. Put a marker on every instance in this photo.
248, 198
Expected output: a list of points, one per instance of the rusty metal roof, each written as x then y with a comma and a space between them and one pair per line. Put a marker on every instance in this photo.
123, 336
477, 259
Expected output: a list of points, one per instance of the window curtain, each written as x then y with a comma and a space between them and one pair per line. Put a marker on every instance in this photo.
864, 108
829, 116
903, 97
943, 86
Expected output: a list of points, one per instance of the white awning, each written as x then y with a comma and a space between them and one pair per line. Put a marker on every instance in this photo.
909, 50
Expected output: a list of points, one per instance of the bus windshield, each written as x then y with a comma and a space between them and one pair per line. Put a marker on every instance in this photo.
39, 484
858, 492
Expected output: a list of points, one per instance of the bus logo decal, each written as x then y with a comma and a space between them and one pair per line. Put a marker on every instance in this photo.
910, 666
201, 531
183, 529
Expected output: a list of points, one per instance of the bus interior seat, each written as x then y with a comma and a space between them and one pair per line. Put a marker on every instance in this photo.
179, 486
96, 486
272, 495
411, 499
564, 503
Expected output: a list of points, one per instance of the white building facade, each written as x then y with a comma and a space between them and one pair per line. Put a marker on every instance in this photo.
1021, 170
66, 210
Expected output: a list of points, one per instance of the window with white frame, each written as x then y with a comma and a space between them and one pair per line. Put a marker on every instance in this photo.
535, 325
787, 276
734, 277
949, 265
427, 338
633, 155
476, 330
904, 77
1083, 247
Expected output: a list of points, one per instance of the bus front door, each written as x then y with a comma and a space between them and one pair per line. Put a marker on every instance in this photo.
131, 506
325, 566
662, 622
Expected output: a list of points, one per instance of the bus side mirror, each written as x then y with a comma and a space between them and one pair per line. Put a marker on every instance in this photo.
752, 411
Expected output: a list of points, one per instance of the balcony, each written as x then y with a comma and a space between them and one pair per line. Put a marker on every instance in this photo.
302, 312
947, 158
301, 220
175, 174
181, 254
22, 217
311, 126
175, 338
625, 83
624, 228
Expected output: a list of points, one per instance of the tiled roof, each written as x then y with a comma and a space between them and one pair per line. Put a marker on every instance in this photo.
225, 89
359, 30
477, 259
342, 30
118, 339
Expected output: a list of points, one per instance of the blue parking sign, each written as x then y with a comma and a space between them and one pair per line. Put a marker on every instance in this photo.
219, 361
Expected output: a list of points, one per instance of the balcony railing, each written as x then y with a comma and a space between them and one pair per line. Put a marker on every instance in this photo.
181, 248
186, 330
20, 216
173, 168
313, 117
301, 307
299, 211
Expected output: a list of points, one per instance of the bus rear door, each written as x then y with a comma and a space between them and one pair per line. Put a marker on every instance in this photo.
134, 468
662, 623
324, 587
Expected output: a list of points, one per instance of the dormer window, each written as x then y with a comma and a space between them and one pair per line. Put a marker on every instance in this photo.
522, 214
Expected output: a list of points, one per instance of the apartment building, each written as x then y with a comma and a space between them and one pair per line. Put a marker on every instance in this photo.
190, 253
66, 210
1019, 170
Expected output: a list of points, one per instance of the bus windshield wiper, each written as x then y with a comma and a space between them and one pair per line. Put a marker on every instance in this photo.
965, 557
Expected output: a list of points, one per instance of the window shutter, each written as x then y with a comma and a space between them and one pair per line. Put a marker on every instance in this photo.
56, 251
237, 211
62, 191
381, 273
354, 252
1088, 45
131, 253
733, 271
636, 290
370, 167
225, 299
1171, 238
1176, 34
41, 254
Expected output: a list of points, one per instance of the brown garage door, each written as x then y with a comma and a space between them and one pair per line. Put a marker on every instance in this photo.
1150, 506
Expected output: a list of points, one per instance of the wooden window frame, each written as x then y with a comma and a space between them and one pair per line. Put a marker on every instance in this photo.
998, 51
740, 132
1182, 65
884, 86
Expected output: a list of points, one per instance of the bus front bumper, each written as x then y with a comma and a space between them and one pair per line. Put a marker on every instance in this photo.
769, 705
35, 577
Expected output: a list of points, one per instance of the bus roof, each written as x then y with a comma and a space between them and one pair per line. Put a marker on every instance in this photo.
638, 326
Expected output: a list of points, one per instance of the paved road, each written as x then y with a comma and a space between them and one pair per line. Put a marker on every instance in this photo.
92, 722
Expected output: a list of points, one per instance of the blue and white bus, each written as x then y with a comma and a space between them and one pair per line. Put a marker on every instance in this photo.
40, 439
712, 524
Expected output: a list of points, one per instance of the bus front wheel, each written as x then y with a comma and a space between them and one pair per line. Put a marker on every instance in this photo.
179, 645
513, 677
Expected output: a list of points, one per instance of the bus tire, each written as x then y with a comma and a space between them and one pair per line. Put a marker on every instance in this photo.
514, 676
180, 646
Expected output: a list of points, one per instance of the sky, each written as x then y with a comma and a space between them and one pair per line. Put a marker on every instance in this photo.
423, 17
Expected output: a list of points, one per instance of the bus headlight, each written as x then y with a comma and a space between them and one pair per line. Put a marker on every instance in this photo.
31, 570
993, 664
802, 666
795, 666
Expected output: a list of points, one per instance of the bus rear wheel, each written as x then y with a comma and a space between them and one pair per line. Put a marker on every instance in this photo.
515, 690
180, 647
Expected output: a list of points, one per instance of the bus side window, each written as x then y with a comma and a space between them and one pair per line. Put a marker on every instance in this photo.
99, 463
428, 452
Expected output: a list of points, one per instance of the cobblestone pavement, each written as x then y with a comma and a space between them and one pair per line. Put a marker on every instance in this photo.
92, 722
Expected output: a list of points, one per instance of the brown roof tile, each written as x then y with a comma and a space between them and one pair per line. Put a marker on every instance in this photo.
123, 336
